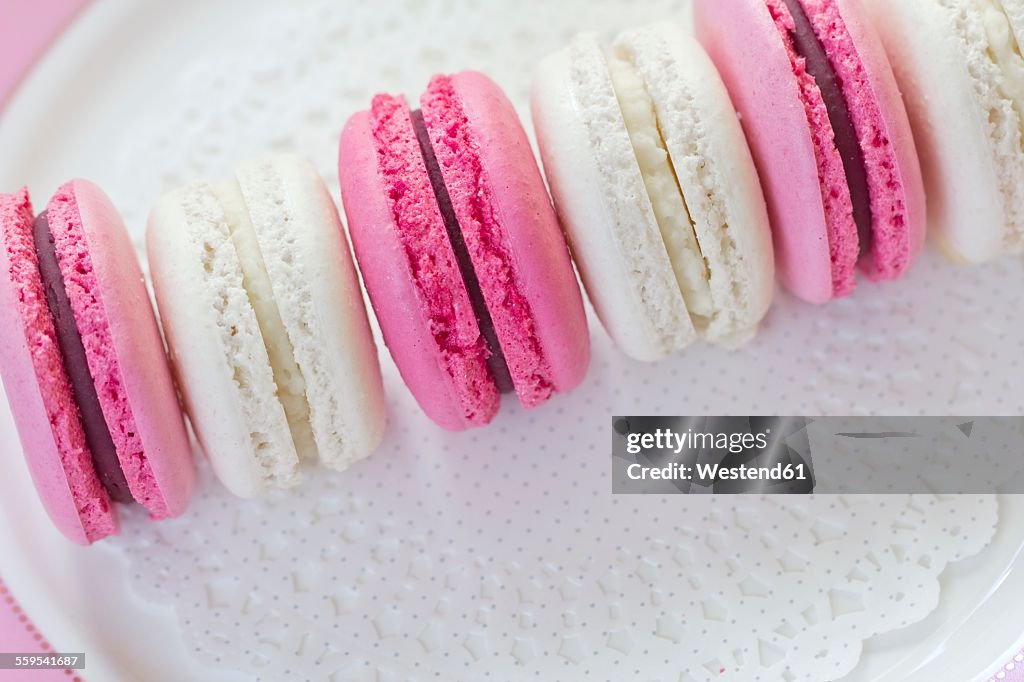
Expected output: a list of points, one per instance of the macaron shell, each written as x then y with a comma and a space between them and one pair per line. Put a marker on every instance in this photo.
880, 118
126, 353
402, 313
950, 121
1014, 10
39, 391
741, 38
526, 230
715, 171
216, 346
603, 204
318, 294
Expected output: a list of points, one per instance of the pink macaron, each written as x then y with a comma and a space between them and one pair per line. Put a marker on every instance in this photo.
461, 252
84, 366
829, 134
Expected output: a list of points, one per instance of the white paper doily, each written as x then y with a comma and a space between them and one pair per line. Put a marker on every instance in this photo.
501, 554
442, 560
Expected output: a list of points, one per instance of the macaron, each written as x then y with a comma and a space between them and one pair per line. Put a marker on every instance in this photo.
265, 321
960, 66
461, 252
84, 365
830, 136
656, 190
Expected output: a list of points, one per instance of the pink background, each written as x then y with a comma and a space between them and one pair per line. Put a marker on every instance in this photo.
17, 634
27, 27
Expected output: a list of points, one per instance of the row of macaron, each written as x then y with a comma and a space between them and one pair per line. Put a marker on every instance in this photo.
674, 163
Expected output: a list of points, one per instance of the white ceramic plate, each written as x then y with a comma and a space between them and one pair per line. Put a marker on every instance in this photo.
139, 96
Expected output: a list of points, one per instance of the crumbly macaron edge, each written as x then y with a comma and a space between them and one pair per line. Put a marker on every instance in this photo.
191, 222
653, 280
300, 236
709, 155
1004, 123
92, 504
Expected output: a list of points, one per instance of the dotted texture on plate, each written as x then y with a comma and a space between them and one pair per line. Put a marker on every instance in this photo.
501, 554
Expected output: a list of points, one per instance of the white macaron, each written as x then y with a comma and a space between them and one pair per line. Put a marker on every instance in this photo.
656, 189
960, 66
265, 320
